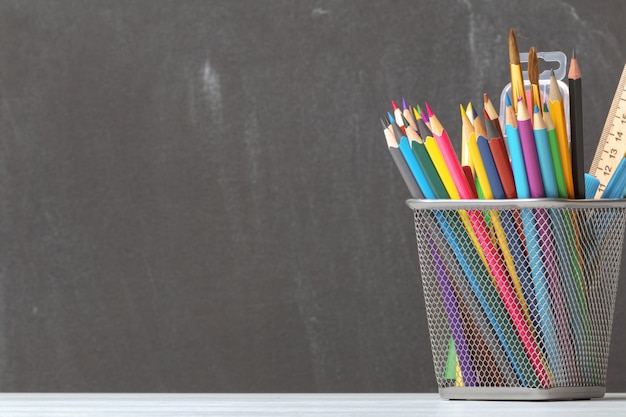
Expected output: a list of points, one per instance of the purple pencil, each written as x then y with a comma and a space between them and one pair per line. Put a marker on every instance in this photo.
454, 319
531, 160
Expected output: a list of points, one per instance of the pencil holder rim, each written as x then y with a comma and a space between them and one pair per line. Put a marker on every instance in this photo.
559, 203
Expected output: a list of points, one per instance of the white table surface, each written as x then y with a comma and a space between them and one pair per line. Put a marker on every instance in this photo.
302, 405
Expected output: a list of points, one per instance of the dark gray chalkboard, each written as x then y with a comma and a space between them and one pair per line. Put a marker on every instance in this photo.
196, 195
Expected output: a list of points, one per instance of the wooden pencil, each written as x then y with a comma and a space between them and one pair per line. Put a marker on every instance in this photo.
555, 101
493, 114
397, 157
466, 130
408, 115
479, 127
576, 127
501, 159
554, 151
531, 160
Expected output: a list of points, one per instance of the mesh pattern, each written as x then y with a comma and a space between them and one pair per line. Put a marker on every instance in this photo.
520, 297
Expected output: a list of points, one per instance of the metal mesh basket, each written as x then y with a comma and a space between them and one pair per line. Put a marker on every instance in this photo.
520, 294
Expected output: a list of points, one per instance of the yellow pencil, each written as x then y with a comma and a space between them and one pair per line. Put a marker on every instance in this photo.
479, 167
440, 165
465, 135
557, 112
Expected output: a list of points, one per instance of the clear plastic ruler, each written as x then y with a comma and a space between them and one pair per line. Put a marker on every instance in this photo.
612, 143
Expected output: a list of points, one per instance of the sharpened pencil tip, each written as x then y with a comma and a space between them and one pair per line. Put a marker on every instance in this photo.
416, 114
507, 100
403, 104
536, 109
382, 121
423, 114
573, 53
405, 121
390, 117
394, 105
428, 110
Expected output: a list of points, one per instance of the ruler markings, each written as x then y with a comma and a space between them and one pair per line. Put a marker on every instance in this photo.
611, 146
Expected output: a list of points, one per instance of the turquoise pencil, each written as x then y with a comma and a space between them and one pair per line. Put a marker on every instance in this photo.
516, 153
544, 154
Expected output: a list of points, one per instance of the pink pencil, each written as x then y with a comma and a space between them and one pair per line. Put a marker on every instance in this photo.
450, 157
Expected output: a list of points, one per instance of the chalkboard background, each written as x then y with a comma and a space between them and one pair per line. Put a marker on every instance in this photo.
197, 196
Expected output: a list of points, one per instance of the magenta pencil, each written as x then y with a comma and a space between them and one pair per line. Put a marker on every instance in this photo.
529, 148
449, 156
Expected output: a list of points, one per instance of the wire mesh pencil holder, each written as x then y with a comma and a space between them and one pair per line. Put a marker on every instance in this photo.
520, 294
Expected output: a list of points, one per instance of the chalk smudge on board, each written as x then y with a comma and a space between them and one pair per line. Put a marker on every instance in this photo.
212, 89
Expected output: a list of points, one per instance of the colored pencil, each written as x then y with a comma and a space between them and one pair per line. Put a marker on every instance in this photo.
397, 116
576, 127
479, 167
479, 127
450, 157
426, 164
422, 128
501, 159
408, 115
469, 175
471, 112
517, 154
493, 114
554, 151
490, 168
544, 155
400, 162
531, 160
555, 100
440, 165
424, 116
466, 130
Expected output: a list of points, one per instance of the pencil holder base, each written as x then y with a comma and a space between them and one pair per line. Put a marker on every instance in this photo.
521, 394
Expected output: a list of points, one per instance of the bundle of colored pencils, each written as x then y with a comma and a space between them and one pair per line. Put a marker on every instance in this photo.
538, 160
517, 250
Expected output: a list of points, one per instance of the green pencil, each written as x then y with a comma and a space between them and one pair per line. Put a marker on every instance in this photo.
421, 154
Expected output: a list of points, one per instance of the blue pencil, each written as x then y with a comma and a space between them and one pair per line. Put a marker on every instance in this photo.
544, 154
415, 168
516, 153
490, 167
